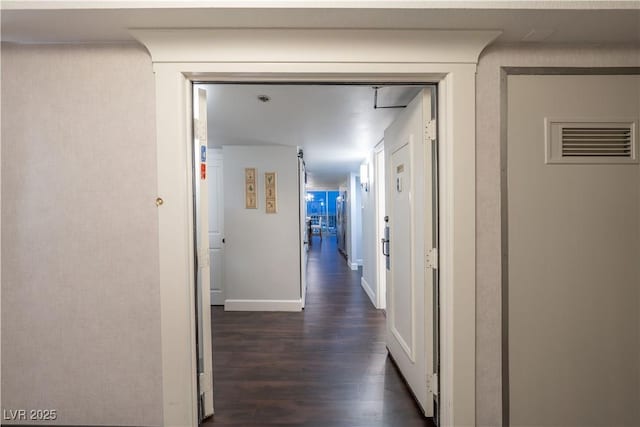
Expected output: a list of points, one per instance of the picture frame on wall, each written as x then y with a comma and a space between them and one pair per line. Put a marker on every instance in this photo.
271, 204
250, 193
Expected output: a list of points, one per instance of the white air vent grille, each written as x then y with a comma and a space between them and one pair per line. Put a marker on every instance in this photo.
590, 141
600, 142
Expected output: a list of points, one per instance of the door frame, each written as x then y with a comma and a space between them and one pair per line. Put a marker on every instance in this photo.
446, 58
302, 226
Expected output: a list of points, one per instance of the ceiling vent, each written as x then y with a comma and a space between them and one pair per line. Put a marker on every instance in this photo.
591, 141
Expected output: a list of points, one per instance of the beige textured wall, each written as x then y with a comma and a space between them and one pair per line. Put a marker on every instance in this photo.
80, 292
490, 136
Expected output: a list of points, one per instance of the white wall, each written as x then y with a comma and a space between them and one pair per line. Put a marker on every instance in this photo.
354, 250
262, 257
370, 245
574, 261
80, 276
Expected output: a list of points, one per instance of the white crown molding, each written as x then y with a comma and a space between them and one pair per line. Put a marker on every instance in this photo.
260, 45
318, 4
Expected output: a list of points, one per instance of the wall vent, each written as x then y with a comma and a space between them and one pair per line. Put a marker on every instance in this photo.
591, 141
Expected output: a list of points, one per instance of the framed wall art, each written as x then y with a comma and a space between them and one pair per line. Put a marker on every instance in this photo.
270, 190
250, 194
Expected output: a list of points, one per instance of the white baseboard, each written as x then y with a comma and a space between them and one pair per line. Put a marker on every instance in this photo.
367, 288
262, 305
217, 297
354, 265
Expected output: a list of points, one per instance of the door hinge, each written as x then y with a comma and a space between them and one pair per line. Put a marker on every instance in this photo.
434, 383
205, 257
200, 130
430, 130
202, 258
201, 382
204, 382
432, 258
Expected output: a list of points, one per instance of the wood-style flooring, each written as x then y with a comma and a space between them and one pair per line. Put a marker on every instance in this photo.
324, 367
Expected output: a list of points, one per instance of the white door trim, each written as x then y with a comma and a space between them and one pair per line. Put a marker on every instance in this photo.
379, 183
448, 58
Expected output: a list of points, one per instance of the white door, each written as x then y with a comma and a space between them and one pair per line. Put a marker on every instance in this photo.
216, 224
304, 238
205, 357
409, 206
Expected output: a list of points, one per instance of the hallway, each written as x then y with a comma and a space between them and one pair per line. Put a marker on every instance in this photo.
324, 367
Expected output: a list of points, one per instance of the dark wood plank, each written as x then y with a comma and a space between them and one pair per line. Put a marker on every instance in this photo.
324, 367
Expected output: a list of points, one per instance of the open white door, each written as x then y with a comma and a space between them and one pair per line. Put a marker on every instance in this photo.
410, 278
216, 224
304, 237
201, 222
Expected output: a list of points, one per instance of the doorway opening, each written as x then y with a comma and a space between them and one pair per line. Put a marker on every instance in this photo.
271, 200
322, 212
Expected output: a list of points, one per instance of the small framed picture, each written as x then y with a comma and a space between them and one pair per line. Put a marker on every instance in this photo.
250, 175
250, 193
270, 191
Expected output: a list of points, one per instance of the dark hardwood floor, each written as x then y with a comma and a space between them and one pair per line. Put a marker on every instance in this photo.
324, 367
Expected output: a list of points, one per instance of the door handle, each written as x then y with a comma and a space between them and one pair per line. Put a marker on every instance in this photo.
223, 240
385, 242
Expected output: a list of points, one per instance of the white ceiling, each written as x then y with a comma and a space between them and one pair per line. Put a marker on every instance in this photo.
336, 126
558, 22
